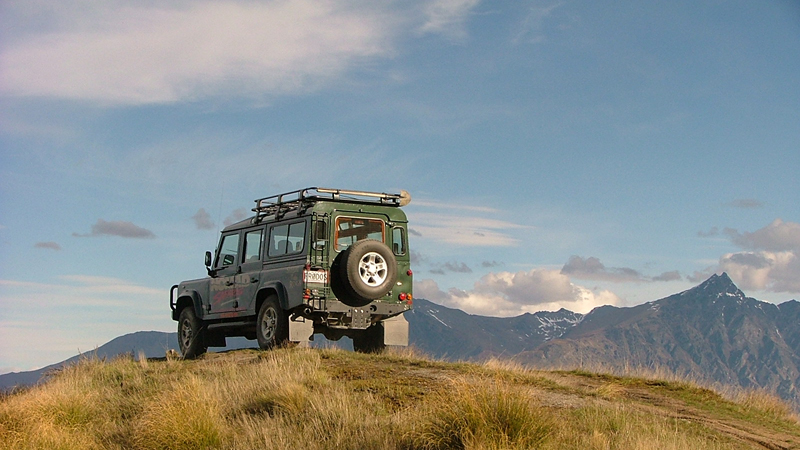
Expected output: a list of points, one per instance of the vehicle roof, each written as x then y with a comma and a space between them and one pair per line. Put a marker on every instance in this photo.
394, 213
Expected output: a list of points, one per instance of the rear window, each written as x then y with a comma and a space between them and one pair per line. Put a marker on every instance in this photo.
352, 229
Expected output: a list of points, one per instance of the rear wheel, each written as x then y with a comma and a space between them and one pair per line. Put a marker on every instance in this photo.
370, 340
190, 335
272, 326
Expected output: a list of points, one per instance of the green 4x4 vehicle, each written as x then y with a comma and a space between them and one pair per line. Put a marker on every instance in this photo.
317, 260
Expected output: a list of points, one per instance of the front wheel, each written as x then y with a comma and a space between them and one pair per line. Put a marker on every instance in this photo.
272, 326
190, 335
370, 340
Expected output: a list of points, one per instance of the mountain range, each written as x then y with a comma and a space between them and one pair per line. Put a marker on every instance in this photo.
711, 333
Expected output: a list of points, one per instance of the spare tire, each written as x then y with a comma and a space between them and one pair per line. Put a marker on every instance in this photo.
368, 270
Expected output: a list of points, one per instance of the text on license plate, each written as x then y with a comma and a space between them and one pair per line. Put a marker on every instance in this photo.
315, 276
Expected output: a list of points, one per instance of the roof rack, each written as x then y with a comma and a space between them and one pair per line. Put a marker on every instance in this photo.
281, 203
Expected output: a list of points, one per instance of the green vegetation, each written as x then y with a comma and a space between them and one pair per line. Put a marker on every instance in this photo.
331, 399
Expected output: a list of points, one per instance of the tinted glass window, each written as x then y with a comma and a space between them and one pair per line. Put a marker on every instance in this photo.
287, 239
228, 250
399, 241
352, 229
252, 246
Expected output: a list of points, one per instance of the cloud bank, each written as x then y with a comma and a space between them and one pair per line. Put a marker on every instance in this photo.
592, 269
505, 294
465, 228
133, 53
770, 262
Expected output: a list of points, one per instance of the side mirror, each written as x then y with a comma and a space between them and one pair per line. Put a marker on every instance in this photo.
208, 259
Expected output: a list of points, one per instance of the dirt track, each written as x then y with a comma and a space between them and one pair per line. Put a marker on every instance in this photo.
574, 390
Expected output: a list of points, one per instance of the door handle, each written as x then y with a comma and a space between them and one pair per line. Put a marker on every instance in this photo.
229, 283
254, 279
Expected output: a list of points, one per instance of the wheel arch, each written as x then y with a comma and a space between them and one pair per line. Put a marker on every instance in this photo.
185, 299
277, 290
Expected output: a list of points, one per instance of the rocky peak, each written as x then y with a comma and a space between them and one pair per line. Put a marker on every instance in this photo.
717, 286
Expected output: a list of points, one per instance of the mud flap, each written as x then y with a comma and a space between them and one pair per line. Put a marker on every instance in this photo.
301, 330
395, 331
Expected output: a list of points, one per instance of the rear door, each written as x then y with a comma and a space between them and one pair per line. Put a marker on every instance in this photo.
286, 248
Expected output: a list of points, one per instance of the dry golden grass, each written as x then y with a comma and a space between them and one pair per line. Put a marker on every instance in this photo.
330, 399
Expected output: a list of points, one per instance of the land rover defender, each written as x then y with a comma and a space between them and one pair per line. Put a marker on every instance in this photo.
317, 260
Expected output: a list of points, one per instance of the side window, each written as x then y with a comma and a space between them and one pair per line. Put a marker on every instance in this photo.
297, 234
399, 241
287, 239
252, 246
352, 229
227, 251
321, 235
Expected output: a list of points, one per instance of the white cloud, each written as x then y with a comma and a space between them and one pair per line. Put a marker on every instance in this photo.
591, 268
44, 323
79, 290
447, 17
127, 52
139, 53
746, 203
531, 27
464, 230
506, 294
456, 206
770, 262
763, 270
777, 236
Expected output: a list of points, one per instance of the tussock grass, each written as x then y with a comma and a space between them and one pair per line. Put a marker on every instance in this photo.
620, 426
331, 399
486, 416
766, 404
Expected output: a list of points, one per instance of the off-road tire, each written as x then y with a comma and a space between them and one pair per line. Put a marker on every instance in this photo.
370, 340
190, 334
272, 324
368, 271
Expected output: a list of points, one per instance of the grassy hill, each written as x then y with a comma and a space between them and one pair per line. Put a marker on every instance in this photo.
332, 399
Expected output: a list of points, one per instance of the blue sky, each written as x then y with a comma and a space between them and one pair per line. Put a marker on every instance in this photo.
559, 153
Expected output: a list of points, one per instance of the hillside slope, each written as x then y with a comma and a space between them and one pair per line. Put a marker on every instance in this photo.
333, 399
711, 332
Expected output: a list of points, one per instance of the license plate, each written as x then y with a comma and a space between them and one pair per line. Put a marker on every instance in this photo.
315, 276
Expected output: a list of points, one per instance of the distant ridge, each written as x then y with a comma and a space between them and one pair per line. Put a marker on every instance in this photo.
151, 343
712, 332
